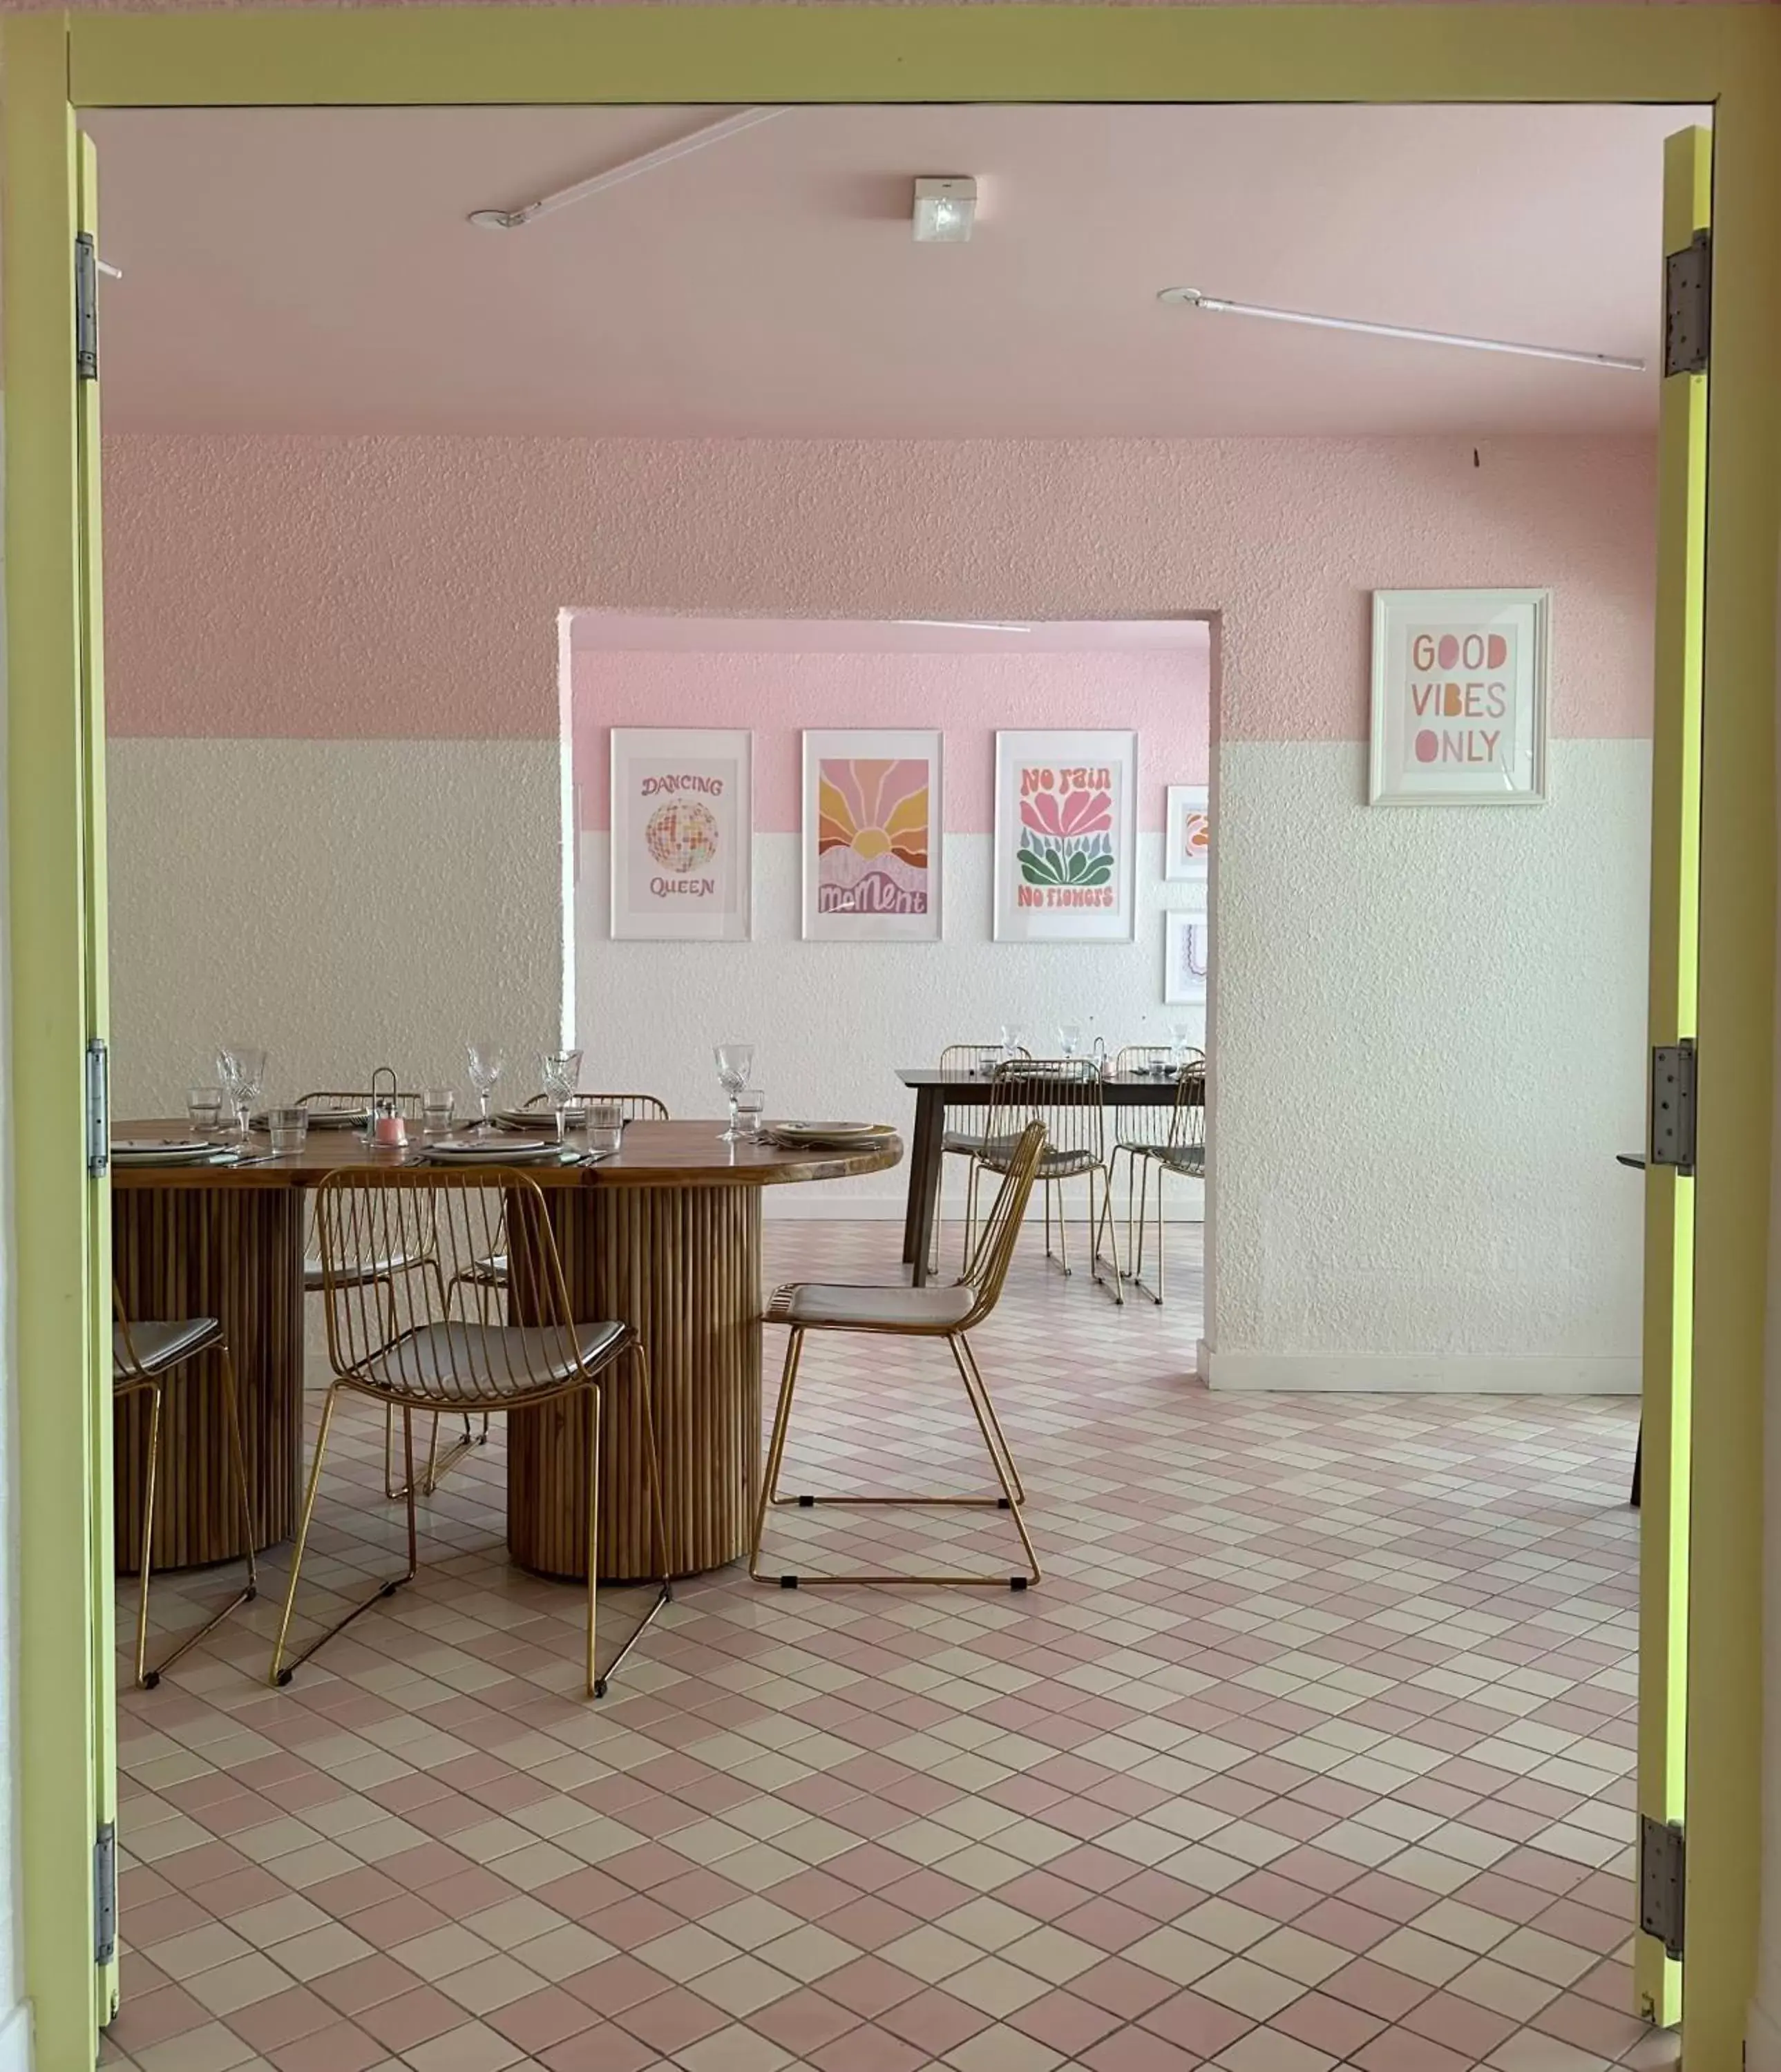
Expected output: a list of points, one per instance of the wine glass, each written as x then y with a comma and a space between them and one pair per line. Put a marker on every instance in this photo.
242, 1070
735, 1062
1010, 1042
1179, 1032
487, 1063
561, 1073
1069, 1038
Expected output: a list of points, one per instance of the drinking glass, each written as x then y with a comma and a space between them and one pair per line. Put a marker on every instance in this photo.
437, 1106
205, 1107
288, 1128
735, 1062
561, 1071
242, 1070
487, 1061
751, 1107
1010, 1042
605, 1126
1179, 1032
1069, 1038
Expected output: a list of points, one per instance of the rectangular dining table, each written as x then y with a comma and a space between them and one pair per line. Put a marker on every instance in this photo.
937, 1094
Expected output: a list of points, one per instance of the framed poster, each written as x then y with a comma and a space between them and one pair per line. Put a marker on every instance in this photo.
872, 836
682, 834
1459, 698
1187, 838
1066, 837
1186, 958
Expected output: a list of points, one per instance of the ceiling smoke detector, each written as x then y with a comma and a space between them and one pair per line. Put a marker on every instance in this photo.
945, 209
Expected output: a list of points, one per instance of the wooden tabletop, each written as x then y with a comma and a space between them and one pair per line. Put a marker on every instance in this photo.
655, 1154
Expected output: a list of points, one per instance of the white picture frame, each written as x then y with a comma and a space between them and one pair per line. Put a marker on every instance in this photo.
873, 834
1459, 698
682, 834
1187, 956
1187, 832
1066, 837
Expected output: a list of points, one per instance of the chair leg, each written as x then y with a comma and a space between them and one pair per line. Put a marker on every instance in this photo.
593, 1407
1138, 1280
970, 1220
665, 1583
282, 1671
995, 1442
1117, 1284
149, 1478
775, 1451
232, 1408
1063, 1227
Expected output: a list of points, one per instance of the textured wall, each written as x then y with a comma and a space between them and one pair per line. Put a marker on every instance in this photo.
346, 904
411, 588
1430, 1042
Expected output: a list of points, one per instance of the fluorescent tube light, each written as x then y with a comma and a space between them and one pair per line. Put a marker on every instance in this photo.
1221, 305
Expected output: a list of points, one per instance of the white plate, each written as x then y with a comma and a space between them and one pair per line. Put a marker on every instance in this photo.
830, 1133
216, 1155
491, 1147
506, 1154
160, 1147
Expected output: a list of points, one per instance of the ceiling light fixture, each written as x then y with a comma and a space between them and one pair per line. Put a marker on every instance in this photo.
945, 210
732, 124
1220, 306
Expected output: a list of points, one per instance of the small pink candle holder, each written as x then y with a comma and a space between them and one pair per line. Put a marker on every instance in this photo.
392, 1130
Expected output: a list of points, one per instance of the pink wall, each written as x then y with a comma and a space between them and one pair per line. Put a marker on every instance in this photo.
409, 588
1163, 695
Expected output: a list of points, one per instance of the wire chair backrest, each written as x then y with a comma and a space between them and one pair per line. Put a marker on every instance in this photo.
362, 1217
410, 1106
1065, 1093
995, 1247
1187, 1120
632, 1108
122, 1341
1150, 1123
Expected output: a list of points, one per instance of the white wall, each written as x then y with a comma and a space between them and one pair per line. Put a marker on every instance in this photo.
345, 903
831, 1022
1442, 1051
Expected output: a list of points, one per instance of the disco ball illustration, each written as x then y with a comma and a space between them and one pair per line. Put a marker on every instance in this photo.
682, 836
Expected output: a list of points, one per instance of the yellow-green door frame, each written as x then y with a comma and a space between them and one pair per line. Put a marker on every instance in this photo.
1727, 56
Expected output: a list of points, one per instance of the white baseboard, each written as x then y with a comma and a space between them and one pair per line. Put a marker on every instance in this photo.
1762, 2041
1401, 1374
15, 2040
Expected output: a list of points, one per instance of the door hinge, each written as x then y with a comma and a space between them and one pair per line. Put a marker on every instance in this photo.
104, 1895
1663, 1860
86, 308
1688, 306
98, 1108
1672, 1138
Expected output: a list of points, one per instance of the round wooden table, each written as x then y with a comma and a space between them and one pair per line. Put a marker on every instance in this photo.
666, 1235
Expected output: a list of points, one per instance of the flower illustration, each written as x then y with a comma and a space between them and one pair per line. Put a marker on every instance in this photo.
1068, 814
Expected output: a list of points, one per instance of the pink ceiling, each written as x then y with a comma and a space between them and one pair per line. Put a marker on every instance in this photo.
311, 269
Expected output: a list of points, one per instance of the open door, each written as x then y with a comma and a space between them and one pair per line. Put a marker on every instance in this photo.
1669, 1177
55, 832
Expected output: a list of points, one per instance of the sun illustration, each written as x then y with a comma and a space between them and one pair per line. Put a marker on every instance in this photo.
874, 808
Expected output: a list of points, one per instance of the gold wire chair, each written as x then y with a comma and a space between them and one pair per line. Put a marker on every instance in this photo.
962, 1061
1140, 1128
409, 1354
420, 1255
144, 1358
904, 1312
1066, 1096
487, 1275
1182, 1152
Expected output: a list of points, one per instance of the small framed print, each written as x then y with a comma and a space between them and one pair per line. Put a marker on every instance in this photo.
1459, 698
1186, 960
871, 837
1187, 841
682, 834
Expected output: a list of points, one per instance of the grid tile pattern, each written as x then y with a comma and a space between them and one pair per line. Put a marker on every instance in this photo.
1315, 1749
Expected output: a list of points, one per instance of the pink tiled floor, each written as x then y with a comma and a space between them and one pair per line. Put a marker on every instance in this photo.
1314, 1748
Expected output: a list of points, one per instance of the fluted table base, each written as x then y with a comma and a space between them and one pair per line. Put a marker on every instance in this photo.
684, 1265
235, 1253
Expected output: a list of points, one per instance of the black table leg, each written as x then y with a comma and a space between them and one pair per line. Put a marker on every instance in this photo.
1638, 1466
925, 1160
